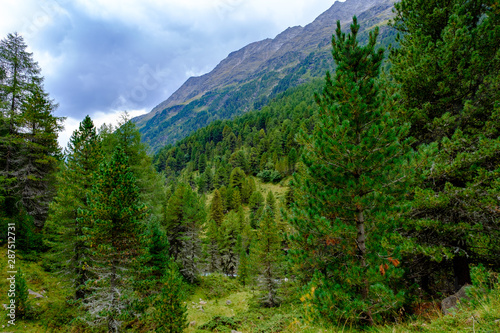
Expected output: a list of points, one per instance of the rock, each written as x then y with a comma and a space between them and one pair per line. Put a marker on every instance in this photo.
228, 302
193, 323
450, 302
234, 331
37, 295
203, 303
201, 308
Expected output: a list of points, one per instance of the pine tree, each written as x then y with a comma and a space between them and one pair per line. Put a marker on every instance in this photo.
450, 93
150, 182
157, 246
354, 162
256, 207
28, 141
212, 246
237, 178
271, 202
228, 244
202, 163
21, 295
171, 314
114, 212
268, 256
217, 209
67, 238
292, 159
185, 215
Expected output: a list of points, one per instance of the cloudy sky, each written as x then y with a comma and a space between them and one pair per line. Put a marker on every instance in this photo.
101, 57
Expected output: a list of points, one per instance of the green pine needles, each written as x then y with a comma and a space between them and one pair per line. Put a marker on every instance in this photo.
354, 169
171, 314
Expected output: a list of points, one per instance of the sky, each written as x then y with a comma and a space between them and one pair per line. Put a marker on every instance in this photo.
103, 57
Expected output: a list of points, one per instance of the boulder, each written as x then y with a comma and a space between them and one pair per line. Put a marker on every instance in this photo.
228, 302
450, 302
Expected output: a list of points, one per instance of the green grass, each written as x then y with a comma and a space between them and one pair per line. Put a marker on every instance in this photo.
45, 311
51, 314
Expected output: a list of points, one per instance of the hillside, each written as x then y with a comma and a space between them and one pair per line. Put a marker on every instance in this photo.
251, 76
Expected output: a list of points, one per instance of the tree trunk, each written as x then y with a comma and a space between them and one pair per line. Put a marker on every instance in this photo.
361, 242
112, 327
461, 269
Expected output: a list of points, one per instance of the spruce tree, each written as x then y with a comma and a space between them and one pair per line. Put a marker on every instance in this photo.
354, 162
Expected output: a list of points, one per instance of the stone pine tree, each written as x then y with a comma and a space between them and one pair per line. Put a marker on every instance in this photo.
448, 70
354, 167
67, 238
268, 256
114, 212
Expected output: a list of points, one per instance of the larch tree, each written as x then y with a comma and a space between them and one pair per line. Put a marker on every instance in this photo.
28, 140
354, 164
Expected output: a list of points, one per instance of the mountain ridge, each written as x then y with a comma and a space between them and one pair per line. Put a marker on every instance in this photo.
248, 77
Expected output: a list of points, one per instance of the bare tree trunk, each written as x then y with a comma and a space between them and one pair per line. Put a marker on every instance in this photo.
361, 242
112, 327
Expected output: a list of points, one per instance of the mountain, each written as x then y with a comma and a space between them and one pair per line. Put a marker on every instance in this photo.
248, 78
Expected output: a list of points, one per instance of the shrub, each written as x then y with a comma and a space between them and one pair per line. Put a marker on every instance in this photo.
270, 176
218, 285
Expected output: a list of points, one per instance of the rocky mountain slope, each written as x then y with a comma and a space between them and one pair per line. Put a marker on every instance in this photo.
249, 77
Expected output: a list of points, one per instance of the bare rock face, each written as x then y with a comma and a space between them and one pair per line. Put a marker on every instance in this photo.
450, 302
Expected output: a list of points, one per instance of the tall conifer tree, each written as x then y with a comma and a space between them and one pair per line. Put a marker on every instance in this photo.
353, 163
448, 70
65, 234
28, 133
115, 212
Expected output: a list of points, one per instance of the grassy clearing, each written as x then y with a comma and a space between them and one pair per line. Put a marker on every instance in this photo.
51, 314
44, 311
279, 190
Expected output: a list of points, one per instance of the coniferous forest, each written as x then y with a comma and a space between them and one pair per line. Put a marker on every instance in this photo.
358, 202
